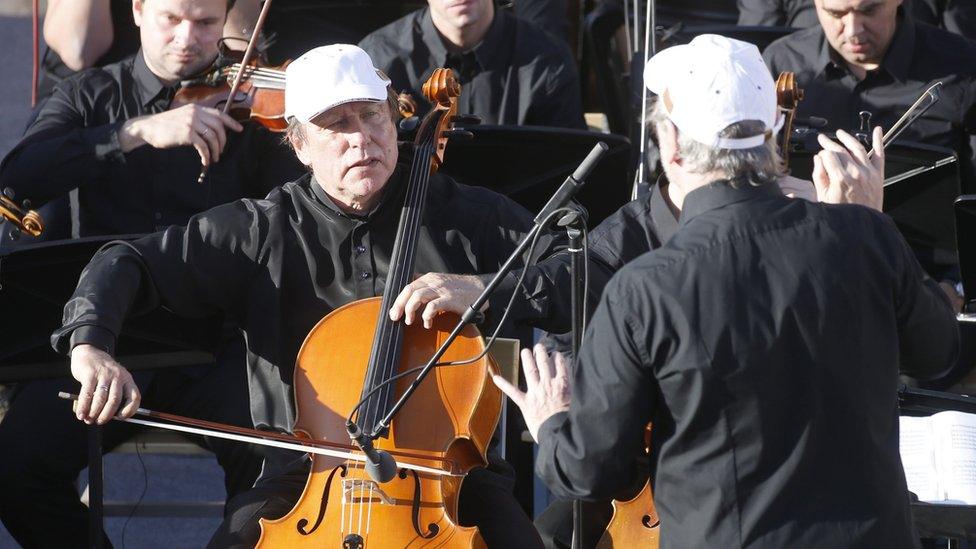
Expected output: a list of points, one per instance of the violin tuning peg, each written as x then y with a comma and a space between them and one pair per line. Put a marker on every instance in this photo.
466, 120
459, 134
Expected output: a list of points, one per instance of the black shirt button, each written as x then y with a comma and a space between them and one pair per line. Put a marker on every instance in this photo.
360, 249
158, 216
364, 275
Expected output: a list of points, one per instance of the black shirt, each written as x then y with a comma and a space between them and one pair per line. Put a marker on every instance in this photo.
125, 41
636, 228
277, 266
517, 75
73, 144
764, 341
918, 56
800, 14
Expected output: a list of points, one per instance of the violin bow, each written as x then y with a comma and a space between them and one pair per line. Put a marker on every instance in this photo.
921, 105
239, 77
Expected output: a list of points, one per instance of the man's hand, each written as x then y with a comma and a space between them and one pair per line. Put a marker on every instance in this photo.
105, 385
436, 293
843, 174
547, 387
203, 128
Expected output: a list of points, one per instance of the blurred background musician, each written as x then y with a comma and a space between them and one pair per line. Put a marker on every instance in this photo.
511, 71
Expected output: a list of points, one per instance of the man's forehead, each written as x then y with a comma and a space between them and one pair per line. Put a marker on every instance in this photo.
854, 5
195, 8
345, 109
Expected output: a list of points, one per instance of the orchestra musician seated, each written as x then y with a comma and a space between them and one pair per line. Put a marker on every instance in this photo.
870, 55
762, 341
106, 138
511, 71
279, 265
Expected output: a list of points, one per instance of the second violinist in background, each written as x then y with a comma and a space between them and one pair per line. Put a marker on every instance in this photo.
277, 266
871, 55
106, 135
511, 71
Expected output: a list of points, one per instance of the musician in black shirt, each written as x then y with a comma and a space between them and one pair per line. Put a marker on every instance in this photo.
277, 266
511, 71
763, 336
106, 135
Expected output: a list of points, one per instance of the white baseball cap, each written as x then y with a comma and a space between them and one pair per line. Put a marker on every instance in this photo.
713, 82
329, 76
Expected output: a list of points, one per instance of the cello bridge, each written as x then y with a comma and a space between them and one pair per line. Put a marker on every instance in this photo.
364, 491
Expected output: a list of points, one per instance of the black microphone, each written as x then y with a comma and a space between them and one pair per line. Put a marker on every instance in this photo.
573, 182
380, 465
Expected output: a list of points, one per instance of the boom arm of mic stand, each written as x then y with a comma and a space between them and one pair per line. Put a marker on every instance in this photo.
563, 195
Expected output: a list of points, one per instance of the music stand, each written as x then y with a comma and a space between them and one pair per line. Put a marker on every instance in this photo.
530, 162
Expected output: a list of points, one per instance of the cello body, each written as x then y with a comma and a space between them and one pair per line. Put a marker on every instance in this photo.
341, 506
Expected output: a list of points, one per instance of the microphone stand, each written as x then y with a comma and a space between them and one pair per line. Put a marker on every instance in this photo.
574, 222
473, 312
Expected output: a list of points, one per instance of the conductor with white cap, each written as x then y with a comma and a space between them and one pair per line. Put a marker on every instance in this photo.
763, 341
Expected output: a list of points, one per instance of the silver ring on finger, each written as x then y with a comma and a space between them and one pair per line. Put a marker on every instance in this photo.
205, 132
102, 388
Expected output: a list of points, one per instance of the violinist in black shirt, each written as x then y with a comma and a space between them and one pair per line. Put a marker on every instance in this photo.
871, 55
106, 138
511, 71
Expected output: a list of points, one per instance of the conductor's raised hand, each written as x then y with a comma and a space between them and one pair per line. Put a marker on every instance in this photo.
203, 128
547, 387
105, 386
844, 172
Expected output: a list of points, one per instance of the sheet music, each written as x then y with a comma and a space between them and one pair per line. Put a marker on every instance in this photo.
917, 448
956, 432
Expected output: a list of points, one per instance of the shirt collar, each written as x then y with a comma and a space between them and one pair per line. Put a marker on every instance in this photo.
485, 53
663, 218
324, 199
720, 193
897, 59
149, 85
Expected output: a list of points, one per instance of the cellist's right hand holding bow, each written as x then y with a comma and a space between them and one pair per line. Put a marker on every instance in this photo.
105, 386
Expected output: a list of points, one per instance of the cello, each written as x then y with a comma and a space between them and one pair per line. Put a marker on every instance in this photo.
635, 522
344, 370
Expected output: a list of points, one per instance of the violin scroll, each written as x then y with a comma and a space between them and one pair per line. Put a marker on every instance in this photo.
27, 220
788, 97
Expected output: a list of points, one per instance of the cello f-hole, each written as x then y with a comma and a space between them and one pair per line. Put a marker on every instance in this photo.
300, 526
432, 529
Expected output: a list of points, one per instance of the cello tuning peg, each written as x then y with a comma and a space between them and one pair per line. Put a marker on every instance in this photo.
459, 134
8, 192
466, 120
409, 124
27, 204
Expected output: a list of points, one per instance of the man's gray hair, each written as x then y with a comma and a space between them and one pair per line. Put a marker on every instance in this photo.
758, 165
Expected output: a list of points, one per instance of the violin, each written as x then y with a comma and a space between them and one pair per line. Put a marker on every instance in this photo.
27, 220
788, 97
260, 96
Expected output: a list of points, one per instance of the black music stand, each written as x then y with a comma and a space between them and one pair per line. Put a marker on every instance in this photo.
529, 163
35, 282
